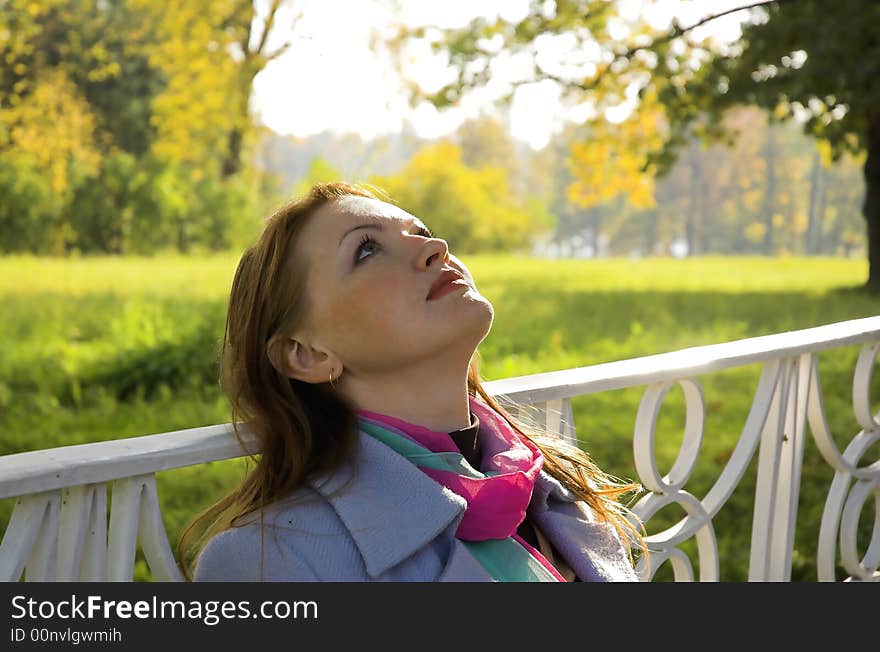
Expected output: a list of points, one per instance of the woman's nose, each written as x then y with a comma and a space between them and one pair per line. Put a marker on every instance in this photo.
435, 251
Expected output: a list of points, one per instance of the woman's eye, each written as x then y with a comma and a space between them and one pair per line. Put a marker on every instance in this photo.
368, 241
365, 241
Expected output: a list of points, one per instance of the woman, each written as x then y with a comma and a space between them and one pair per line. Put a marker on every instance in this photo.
350, 352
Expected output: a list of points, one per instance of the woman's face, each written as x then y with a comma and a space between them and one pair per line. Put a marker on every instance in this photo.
370, 266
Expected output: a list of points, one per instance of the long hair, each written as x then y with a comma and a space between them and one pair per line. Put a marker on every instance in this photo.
306, 428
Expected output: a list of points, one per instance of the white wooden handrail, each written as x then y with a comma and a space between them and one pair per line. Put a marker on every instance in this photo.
59, 529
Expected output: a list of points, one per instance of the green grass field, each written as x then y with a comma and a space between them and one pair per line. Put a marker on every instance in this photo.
102, 348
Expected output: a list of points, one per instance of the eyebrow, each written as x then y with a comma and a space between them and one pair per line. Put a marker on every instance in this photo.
374, 223
377, 224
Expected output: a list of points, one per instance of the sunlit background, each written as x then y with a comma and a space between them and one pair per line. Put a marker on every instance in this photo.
335, 59
623, 178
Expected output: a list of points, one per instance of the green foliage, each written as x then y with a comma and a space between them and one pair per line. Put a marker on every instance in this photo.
28, 207
99, 46
471, 48
472, 209
228, 212
320, 171
132, 205
805, 57
104, 348
123, 127
103, 207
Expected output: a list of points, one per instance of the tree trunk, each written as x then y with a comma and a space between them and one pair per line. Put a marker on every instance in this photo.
232, 160
595, 222
814, 217
691, 229
253, 63
821, 227
652, 216
770, 192
235, 138
871, 207
705, 215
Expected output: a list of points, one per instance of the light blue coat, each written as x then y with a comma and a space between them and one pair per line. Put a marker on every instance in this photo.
393, 523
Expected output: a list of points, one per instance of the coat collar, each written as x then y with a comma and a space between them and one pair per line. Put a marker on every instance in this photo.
389, 506
392, 509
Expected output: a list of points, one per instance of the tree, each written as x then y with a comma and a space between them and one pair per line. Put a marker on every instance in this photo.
98, 48
585, 35
28, 207
612, 161
813, 58
485, 142
473, 209
126, 122
319, 171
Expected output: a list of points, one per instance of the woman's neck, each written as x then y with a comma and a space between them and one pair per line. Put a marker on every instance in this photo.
430, 400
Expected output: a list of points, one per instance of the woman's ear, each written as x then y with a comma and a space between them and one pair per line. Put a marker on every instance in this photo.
304, 362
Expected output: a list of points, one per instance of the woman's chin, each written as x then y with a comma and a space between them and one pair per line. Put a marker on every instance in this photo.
478, 321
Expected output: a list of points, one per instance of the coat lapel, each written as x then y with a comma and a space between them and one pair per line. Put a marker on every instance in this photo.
389, 506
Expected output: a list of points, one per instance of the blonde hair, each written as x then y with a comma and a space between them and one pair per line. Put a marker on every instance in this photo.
305, 428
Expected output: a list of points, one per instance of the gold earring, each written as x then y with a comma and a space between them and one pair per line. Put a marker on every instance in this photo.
331, 380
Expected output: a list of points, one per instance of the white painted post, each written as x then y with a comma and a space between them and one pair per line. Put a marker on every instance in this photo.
125, 512
41, 564
789, 478
765, 492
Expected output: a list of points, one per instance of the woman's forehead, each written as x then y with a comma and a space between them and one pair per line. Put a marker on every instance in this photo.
357, 206
337, 217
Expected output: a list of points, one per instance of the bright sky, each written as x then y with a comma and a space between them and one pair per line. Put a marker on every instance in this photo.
330, 79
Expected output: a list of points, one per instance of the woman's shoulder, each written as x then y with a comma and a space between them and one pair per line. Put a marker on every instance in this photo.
283, 542
356, 523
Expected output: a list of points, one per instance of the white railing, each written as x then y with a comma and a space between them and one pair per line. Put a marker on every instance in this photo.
59, 527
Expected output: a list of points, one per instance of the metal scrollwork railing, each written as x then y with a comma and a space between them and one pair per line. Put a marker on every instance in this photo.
670, 487
852, 484
787, 397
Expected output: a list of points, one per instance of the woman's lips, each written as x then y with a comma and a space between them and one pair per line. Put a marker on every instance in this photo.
447, 275
446, 288
445, 282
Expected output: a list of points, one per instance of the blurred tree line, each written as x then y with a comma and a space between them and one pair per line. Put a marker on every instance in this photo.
774, 192
124, 128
